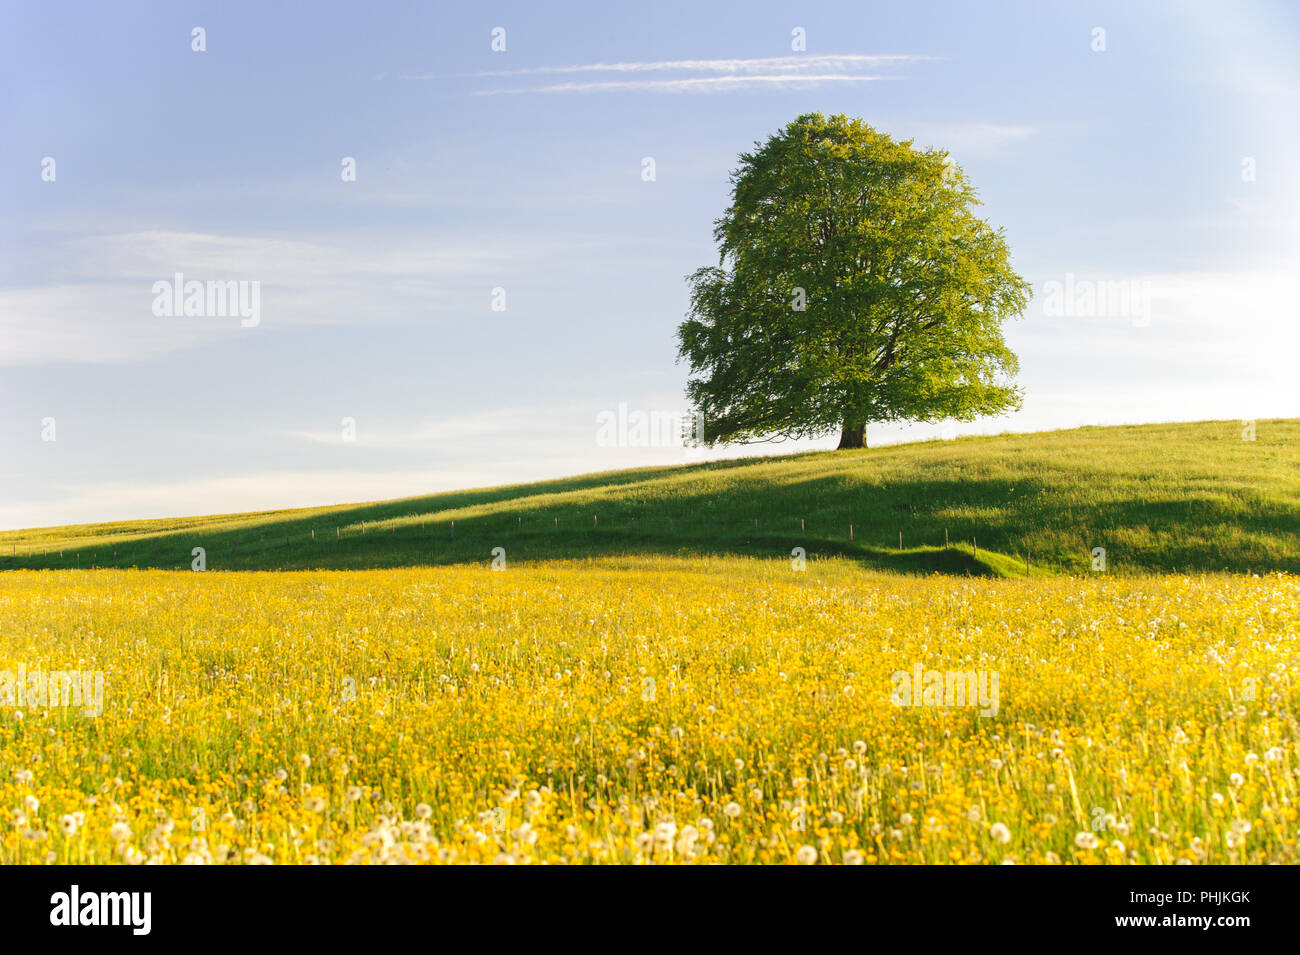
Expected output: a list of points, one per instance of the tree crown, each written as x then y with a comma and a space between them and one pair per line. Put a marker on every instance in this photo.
855, 284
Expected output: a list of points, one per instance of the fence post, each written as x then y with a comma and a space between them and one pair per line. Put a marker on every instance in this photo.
945, 538
975, 546
670, 525
850, 532
900, 540
453, 528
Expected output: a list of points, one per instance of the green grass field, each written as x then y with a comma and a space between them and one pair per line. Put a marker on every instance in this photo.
1159, 498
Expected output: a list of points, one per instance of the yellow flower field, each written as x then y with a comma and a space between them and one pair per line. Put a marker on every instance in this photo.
648, 710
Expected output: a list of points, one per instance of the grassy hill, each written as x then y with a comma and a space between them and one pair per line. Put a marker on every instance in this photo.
1170, 497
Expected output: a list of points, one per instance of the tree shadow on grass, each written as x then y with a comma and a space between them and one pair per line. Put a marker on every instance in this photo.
731, 508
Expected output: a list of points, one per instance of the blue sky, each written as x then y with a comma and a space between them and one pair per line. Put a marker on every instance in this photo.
522, 170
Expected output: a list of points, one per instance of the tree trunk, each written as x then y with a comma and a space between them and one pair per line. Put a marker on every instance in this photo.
853, 436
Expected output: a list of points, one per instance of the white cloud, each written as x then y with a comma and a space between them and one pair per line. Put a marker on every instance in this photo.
699, 84
1218, 305
157, 254
538, 424
97, 306
787, 64
93, 322
772, 72
232, 494
968, 140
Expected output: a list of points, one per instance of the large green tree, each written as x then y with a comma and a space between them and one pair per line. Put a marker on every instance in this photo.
855, 285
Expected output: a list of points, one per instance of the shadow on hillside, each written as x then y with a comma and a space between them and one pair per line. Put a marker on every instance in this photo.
734, 508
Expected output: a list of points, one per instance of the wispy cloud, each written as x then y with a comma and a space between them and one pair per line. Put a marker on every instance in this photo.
975, 139
517, 423
96, 305
233, 494
785, 64
727, 75
698, 84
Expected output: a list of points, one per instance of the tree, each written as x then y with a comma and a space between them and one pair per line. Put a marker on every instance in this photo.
854, 285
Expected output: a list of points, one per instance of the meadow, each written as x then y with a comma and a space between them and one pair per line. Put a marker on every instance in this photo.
1166, 498
646, 709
